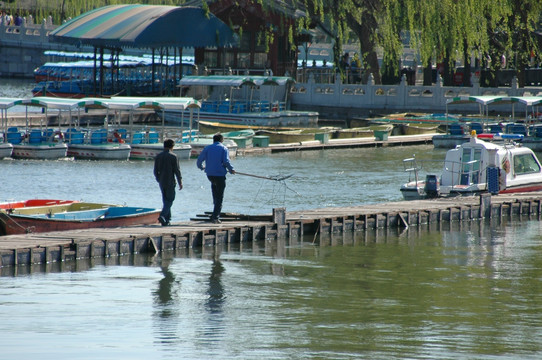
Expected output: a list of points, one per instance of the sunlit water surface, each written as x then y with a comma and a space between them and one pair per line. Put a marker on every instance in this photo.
465, 291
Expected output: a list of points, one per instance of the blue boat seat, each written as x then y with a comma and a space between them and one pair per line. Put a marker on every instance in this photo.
14, 136
98, 136
537, 131
75, 137
48, 134
456, 129
208, 106
138, 137
35, 136
495, 128
239, 107
478, 127
265, 106
224, 107
516, 129
153, 137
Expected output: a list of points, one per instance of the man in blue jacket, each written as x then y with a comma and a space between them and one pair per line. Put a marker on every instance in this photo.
217, 165
166, 169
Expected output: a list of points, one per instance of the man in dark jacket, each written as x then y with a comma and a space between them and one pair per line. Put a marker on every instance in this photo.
166, 169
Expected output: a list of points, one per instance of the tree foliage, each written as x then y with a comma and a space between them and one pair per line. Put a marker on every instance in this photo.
441, 31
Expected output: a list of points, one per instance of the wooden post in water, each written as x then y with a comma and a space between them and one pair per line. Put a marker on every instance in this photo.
279, 216
485, 205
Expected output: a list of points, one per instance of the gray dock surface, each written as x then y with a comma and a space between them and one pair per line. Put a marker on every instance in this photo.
88, 243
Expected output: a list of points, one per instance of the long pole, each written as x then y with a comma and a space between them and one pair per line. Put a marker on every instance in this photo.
263, 177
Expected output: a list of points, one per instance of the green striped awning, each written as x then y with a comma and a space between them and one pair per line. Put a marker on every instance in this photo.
145, 26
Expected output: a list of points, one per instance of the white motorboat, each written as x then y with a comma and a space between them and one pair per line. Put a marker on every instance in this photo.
491, 163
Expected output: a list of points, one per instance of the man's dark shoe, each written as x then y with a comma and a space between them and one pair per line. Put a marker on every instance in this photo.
163, 221
216, 221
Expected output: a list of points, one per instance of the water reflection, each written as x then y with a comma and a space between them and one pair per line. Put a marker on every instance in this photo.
438, 291
167, 305
213, 327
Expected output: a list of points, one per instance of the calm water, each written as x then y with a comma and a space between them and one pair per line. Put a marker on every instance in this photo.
465, 291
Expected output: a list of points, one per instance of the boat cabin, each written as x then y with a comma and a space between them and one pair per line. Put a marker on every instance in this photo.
238, 93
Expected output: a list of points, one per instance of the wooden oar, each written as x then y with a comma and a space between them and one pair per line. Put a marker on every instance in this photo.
275, 178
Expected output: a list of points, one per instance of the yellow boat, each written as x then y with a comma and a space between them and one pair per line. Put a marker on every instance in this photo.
213, 127
358, 132
289, 136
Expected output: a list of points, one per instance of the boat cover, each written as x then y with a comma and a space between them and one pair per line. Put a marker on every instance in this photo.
234, 80
145, 26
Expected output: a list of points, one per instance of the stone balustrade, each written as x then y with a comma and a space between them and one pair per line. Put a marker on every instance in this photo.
338, 99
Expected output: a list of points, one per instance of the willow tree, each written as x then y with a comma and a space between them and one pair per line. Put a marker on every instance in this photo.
390, 25
433, 25
361, 17
523, 19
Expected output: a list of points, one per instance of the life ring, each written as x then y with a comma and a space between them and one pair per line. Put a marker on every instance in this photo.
506, 165
118, 137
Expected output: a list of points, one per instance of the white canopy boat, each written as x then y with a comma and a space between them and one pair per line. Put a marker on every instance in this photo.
146, 145
44, 144
6, 148
244, 100
497, 166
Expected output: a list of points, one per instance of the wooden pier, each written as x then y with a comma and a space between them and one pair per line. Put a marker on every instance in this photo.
42, 248
364, 142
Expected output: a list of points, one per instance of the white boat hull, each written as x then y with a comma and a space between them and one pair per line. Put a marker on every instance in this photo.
6, 149
149, 151
42, 151
109, 151
199, 143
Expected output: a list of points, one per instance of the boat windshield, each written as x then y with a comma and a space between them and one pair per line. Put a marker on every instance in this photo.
470, 165
525, 164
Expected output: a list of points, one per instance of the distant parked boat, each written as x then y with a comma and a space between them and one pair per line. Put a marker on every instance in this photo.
35, 144
290, 136
40, 151
242, 106
418, 129
97, 147
6, 149
243, 138
359, 132
198, 143
35, 204
133, 77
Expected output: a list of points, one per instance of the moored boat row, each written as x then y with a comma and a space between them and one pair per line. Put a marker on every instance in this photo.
107, 143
